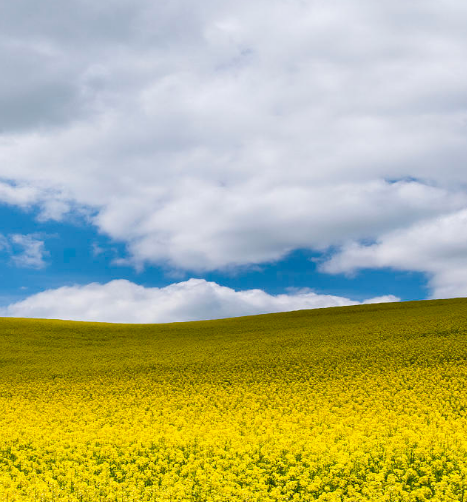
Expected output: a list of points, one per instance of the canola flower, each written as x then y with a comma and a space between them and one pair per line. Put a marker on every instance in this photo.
364, 403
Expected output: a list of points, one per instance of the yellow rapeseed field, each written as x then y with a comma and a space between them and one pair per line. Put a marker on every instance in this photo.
365, 403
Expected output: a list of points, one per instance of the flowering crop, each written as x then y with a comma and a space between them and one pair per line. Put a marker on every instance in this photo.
365, 403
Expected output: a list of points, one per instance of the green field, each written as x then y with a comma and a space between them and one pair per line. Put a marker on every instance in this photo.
342, 404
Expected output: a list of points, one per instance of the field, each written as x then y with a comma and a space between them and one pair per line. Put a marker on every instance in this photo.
365, 403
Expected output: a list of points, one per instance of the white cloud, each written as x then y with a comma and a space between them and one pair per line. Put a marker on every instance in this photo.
195, 299
437, 247
22, 196
381, 299
4, 244
24, 250
209, 135
27, 251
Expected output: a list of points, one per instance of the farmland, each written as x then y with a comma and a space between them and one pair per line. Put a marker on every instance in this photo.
363, 403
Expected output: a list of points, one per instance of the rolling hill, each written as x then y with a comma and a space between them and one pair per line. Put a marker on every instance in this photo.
362, 403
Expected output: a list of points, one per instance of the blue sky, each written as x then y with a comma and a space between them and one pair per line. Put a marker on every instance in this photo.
75, 253
167, 162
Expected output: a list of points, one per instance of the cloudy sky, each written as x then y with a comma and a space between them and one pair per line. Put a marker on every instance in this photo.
168, 161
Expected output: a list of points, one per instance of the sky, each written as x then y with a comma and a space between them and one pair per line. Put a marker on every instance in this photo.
173, 161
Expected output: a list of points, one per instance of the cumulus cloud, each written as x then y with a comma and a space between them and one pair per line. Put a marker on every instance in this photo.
22, 196
381, 299
210, 135
24, 250
27, 251
195, 299
437, 247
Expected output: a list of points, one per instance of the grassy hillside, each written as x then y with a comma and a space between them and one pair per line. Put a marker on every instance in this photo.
352, 403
